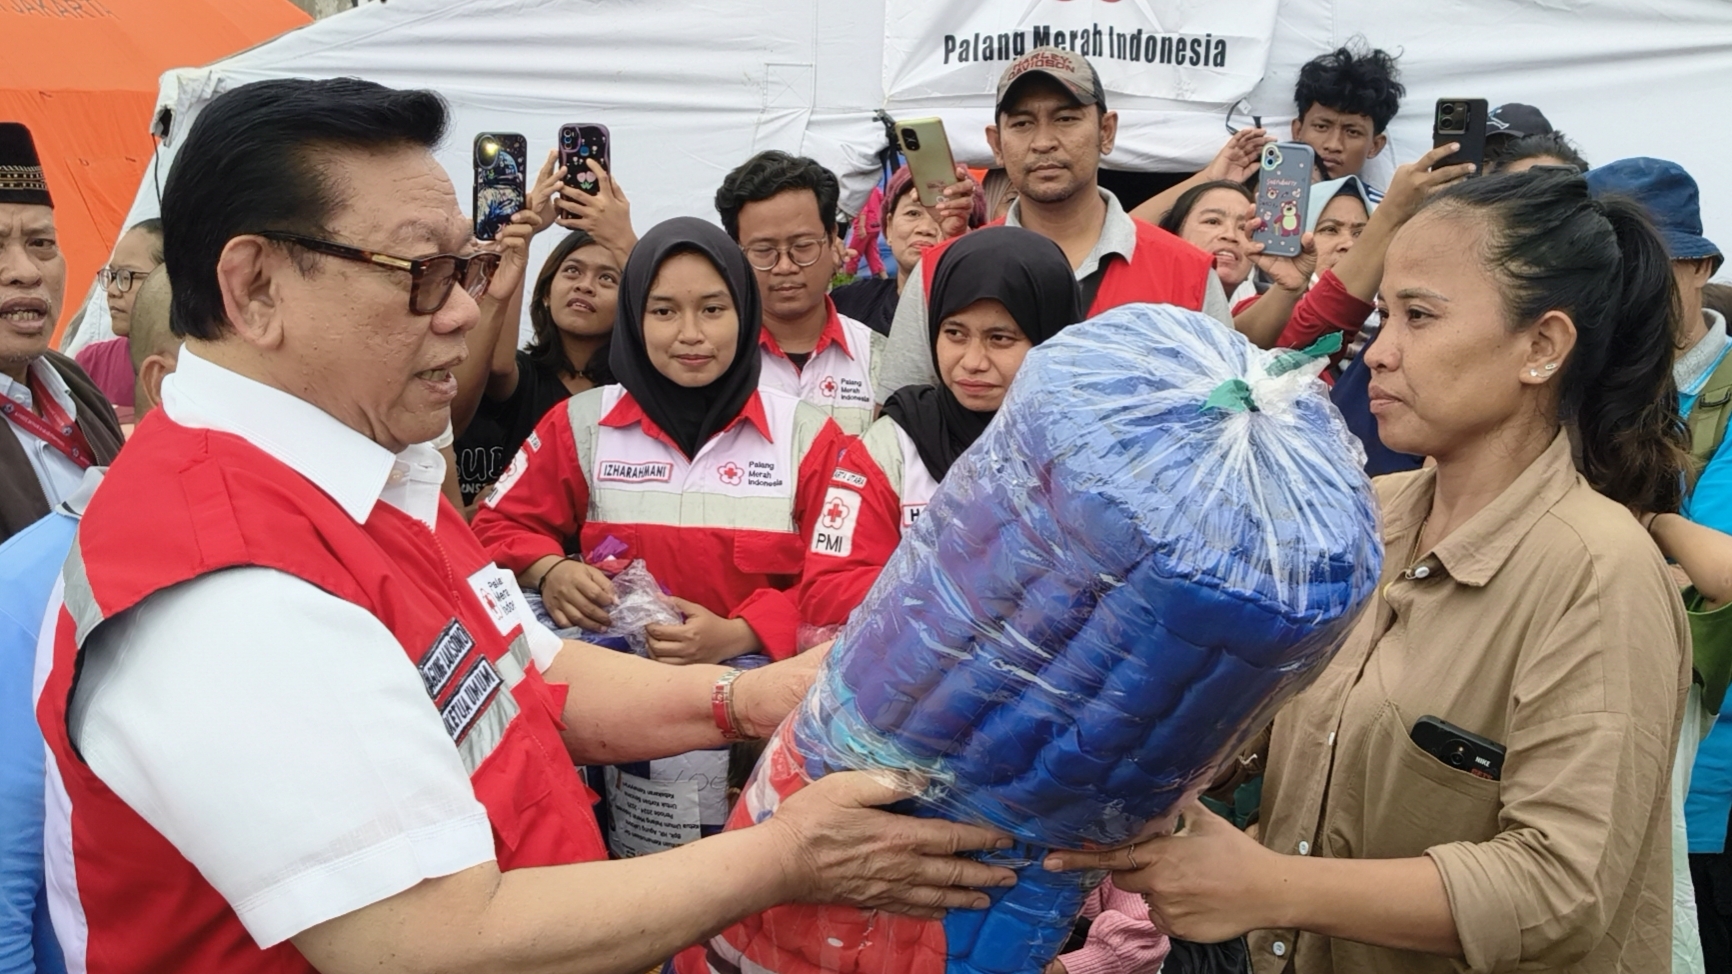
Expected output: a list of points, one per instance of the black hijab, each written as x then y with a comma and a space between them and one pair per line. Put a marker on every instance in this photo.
1031, 277
689, 416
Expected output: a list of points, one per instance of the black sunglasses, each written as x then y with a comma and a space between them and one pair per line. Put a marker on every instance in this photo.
430, 278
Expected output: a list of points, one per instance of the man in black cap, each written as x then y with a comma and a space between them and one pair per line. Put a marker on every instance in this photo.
57, 422
1519, 137
1051, 126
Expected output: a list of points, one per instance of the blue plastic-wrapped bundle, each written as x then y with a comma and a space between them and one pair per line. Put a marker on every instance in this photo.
1163, 535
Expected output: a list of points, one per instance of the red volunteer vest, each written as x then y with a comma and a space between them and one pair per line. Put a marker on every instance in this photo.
1162, 270
215, 502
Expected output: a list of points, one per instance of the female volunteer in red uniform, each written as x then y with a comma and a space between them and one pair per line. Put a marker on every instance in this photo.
713, 481
996, 293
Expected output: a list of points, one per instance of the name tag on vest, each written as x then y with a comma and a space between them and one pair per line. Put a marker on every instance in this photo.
454, 643
634, 473
471, 698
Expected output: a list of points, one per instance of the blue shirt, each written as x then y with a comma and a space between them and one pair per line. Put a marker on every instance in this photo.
29, 564
1709, 801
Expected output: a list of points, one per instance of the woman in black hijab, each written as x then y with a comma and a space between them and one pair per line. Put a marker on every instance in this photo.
685, 463
996, 293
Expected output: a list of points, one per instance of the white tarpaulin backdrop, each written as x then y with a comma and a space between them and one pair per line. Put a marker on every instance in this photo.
690, 88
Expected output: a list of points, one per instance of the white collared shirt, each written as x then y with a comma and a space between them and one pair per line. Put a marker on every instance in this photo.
277, 735
57, 474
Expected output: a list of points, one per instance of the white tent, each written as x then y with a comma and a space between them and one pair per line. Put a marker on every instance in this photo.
690, 88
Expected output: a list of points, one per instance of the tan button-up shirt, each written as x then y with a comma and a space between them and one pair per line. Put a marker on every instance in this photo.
1547, 623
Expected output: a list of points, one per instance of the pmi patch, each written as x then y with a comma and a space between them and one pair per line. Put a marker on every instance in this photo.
472, 696
447, 653
834, 533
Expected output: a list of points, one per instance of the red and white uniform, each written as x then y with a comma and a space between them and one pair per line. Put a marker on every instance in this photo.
837, 379
726, 529
147, 899
885, 486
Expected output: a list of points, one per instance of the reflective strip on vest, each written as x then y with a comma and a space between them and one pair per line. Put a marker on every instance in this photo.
738, 480
488, 729
894, 451
80, 600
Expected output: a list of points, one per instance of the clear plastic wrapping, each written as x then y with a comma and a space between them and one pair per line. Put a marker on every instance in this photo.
1164, 534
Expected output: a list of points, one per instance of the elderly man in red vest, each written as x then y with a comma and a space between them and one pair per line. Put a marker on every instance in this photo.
1050, 129
298, 720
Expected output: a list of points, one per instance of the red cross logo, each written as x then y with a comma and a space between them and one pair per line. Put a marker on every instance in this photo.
730, 473
828, 387
836, 514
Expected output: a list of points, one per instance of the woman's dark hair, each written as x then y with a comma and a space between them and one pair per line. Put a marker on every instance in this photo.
1551, 246
1353, 82
545, 349
1551, 144
1187, 202
255, 160
772, 172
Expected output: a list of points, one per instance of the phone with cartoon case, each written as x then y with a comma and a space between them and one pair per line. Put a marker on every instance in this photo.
499, 181
577, 145
1283, 196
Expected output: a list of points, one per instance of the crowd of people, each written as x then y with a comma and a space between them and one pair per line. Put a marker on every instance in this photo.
314, 451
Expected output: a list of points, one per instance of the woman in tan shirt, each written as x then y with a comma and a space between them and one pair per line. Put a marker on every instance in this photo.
1520, 601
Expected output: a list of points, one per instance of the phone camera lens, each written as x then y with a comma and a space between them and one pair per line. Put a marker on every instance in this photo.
911, 140
1457, 754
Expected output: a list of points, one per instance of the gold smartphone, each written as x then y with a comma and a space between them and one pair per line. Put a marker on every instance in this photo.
929, 158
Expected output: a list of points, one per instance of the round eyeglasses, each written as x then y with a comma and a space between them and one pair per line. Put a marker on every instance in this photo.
804, 253
120, 277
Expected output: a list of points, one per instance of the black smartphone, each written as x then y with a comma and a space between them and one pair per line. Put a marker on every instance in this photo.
499, 181
577, 145
1460, 120
1460, 749
1283, 196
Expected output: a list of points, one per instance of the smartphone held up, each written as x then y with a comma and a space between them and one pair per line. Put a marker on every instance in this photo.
927, 149
578, 144
1463, 122
1283, 197
499, 181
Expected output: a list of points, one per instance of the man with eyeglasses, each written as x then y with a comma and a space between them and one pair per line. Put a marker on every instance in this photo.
109, 362
297, 720
57, 423
781, 209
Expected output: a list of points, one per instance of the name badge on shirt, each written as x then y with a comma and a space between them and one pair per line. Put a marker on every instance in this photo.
436, 667
471, 698
500, 596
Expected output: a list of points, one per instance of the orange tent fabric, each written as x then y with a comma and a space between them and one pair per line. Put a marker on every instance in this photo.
83, 75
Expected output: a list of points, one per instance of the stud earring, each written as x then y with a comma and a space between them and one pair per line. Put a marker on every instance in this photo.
1551, 366
1534, 372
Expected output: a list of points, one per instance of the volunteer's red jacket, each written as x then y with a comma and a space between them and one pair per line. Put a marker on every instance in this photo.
1163, 269
215, 502
883, 486
726, 529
